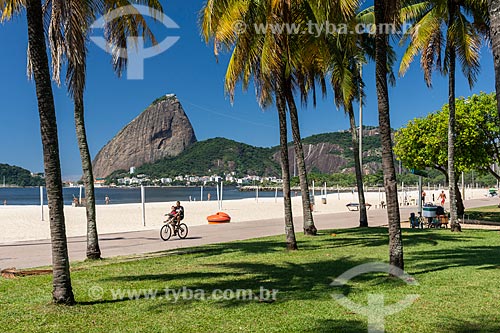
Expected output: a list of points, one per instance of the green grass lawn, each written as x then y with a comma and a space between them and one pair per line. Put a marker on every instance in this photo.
486, 213
458, 276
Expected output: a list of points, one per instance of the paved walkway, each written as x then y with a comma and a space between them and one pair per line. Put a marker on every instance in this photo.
38, 253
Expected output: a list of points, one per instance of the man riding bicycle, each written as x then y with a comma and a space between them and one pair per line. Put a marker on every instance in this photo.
179, 215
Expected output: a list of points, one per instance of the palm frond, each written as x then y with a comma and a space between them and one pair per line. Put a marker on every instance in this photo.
10, 8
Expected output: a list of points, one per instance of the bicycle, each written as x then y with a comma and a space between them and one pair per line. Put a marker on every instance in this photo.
169, 228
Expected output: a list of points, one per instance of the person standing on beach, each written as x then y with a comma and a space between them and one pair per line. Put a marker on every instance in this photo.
442, 198
423, 197
106, 200
208, 196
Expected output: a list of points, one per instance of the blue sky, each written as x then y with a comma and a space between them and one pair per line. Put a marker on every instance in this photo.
189, 70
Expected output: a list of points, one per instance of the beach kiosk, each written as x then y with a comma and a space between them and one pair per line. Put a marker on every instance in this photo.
429, 212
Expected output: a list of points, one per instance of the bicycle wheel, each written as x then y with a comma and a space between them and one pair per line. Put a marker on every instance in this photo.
182, 230
165, 232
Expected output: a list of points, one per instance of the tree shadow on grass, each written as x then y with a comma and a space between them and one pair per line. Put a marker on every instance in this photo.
306, 281
471, 325
366, 237
332, 325
238, 247
486, 215
483, 257
375, 237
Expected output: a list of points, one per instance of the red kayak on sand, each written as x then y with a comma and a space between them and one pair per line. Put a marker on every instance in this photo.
218, 218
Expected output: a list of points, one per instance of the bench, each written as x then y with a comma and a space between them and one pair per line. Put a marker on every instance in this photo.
439, 221
354, 206
443, 220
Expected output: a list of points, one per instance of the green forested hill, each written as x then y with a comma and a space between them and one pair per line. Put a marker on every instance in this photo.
216, 156
16, 176
220, 155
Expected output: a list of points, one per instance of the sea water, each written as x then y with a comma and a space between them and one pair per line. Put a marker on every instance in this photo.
31, 195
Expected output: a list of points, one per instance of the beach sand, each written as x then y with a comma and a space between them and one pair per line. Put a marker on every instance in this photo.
20, 223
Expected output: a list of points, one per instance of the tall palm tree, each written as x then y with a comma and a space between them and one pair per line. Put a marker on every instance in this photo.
69, 27
304, 64
494, 13
446, 23
339, 55
308, 224
39, 66
291, 242
386, 12
257, 56
346, 59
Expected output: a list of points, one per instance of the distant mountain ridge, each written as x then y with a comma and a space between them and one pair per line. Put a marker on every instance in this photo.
324, 153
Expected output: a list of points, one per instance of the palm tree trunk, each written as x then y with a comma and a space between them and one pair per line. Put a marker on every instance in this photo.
451, 142
363, 216
460, 202
309, 227
62, 290
291, 242
455, 226
494, 11
93, 250
390, 183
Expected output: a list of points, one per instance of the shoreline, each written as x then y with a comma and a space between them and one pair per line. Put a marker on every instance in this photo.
23, 222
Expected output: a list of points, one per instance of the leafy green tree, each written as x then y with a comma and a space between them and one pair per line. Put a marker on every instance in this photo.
447, 30
421, 143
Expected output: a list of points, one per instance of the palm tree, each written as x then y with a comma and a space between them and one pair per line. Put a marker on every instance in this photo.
346, 59
309, 227
494, 12
39, 66
254, 56
306, 65
291, 242
69, 27
446, 23
385, 13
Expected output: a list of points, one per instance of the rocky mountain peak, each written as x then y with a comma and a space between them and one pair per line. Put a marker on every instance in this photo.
162, 130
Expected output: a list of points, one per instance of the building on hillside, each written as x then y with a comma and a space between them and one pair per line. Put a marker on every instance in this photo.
99, 182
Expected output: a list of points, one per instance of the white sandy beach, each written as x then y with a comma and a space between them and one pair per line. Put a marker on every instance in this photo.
24, 222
